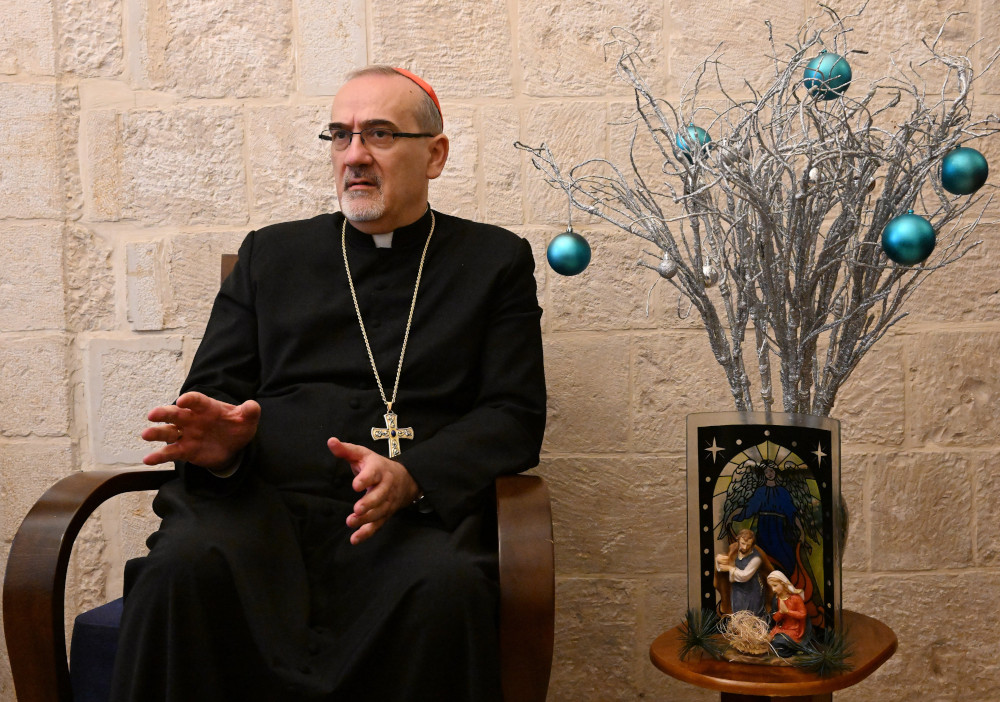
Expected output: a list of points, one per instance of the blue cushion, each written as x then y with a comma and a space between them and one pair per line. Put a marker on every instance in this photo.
92, 652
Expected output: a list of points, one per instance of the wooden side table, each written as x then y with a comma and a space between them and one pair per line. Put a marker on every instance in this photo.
872, 644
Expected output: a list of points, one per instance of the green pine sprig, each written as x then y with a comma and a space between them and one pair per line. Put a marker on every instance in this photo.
824, 655
700, 630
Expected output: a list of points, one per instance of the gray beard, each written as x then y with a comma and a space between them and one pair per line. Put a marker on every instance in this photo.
362, 207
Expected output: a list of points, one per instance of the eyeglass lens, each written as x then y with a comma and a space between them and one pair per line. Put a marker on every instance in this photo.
378, 137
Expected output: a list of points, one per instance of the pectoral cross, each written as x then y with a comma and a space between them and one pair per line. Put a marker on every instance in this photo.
392, 433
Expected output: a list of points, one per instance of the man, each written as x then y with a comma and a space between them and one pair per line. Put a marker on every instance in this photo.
362, 381
740, 576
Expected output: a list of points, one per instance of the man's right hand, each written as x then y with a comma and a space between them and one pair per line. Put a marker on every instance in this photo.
201, 430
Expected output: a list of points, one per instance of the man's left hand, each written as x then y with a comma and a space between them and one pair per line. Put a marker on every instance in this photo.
387, 485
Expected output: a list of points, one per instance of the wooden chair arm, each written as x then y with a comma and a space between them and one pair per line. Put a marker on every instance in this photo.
527, 586
35, 581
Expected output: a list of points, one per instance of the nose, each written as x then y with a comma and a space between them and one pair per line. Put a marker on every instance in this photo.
356, 152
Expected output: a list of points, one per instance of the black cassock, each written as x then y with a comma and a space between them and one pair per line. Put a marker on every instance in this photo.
251, 590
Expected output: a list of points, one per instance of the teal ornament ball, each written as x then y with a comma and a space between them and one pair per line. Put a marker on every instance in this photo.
908, 239
695, 138
963, 171
827, 76
568, 253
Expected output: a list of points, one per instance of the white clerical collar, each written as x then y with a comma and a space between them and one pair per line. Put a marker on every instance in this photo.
383, 241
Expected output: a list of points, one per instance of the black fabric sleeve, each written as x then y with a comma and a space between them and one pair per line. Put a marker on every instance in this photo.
503, 433
226, 366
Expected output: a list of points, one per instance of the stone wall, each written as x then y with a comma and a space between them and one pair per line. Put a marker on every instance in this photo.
142, 138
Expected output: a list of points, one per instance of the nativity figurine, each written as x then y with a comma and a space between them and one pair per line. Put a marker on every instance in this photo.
791, 623
740, 576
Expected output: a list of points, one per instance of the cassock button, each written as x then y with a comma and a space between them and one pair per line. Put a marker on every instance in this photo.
380, 286
355, 403
376, 323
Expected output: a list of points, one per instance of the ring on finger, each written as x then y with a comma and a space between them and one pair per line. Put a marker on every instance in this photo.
180, 435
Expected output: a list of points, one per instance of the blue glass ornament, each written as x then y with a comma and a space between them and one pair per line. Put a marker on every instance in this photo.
827, 76
963, 171
568, 253
696, 137
908, 239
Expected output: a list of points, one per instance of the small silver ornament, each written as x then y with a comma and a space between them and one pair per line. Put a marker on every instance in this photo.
667, 267
711, 275
729, 155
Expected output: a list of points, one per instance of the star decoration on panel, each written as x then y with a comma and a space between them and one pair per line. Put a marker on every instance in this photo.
714, 449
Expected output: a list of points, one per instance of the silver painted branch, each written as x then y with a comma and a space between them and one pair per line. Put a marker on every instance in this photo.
787, 205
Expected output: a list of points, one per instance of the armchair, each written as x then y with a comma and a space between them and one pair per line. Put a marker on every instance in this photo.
35, 580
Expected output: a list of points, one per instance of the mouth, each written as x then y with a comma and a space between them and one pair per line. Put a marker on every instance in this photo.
360, 185
361, 182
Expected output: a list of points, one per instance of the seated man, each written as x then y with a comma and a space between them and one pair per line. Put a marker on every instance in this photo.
364, 378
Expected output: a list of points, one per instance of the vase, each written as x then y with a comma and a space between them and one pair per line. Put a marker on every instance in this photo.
778, 476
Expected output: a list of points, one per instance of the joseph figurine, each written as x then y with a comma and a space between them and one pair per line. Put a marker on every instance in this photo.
740, 576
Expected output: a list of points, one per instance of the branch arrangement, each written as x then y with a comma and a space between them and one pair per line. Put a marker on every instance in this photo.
772, 230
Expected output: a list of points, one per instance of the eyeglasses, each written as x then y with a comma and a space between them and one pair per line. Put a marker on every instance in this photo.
375, 137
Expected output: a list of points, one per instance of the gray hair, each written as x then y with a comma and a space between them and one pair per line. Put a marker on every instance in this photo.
428, 117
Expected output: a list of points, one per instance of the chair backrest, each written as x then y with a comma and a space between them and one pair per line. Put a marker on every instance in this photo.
228, 262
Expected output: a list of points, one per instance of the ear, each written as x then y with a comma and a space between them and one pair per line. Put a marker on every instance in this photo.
438, 151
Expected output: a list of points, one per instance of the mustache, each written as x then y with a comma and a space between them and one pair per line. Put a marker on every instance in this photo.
352, 175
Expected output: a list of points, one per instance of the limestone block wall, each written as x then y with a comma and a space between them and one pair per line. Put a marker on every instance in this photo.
139, 139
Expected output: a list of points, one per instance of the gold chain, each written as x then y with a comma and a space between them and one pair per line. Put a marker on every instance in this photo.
409, 320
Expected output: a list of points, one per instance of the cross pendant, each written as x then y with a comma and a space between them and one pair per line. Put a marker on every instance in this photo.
392, 434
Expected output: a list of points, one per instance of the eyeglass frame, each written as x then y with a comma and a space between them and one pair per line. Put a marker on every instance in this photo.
327, 135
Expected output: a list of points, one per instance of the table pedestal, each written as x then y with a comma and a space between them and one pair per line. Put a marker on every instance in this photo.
871, 642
